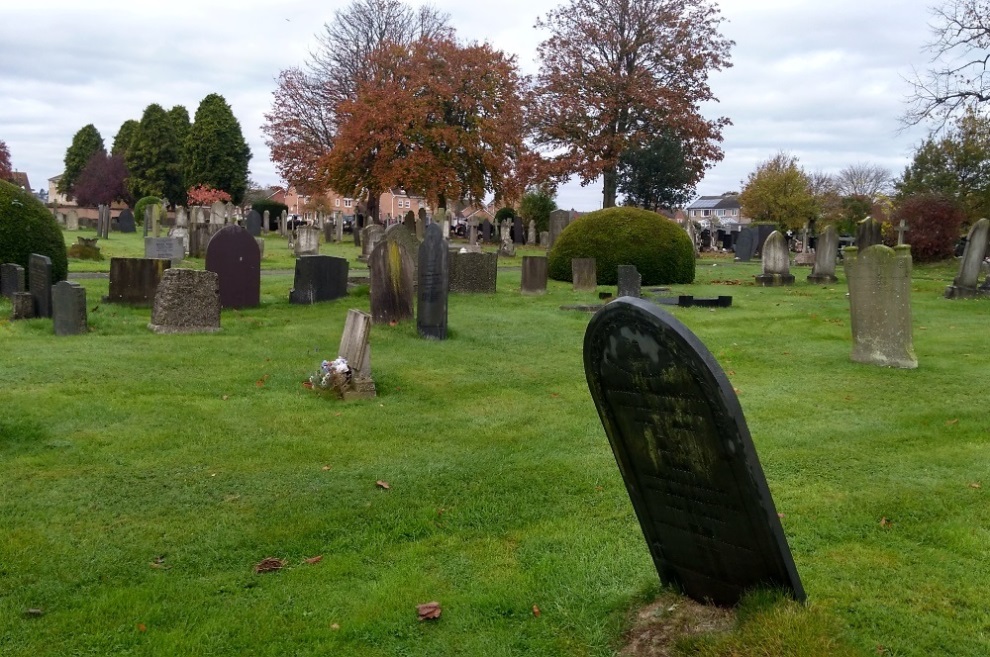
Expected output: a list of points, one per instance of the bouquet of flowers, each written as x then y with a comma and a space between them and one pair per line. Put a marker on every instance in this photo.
333, 375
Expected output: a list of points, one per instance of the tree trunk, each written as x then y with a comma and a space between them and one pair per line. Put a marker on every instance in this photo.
442, 203
609, 191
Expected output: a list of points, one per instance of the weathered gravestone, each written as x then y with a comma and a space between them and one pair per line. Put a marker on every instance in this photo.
745, 246
518, 233
409, 221
199, 239
69, 308
164, 248
826, 250
253, 223
135, 280
391, 293
433, 285
508, 247
400, 234
187, 301
103, 221
473, 272
125, 222
486, 231
234, 255
181, 217
531, 234
355, 349
72, 221
180, 233
319, 278
534, 275
776, 262
21, 305
40, 284
686, 456
879, 280
217, 211
11, 279
964, 284
630, 281
307, 241
868, 233
545, 238
584, 274
370, 236
559, 219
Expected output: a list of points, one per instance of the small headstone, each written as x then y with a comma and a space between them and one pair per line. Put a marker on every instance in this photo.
472, 231
356, 228
685, 453
234, 255
181, 217
776, 262
531, 235
868, 233
164, 248
187, 301
228, 212
338, 228
826, 251
545, 238
198, 216
391, 269
763, 232
559, 219
217, 213
253, 223
319, 278
125, 222
182, 234
260, 241
135, 280
486, 231
409, 221
518, 234
977, 243
745, 246
356, 350
72, 220
584, 274
307, 241
22, 305
69, 308
433, 285
879, 280
11, 279
534, 275
474, 272
283, 223
630, 281
265, 226
40, 284
156, 219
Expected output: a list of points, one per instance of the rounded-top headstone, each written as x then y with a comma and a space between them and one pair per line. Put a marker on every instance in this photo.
234, 255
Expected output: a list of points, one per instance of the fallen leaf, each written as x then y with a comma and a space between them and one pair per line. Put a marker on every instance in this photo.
975, 485
34, 613
922, 328
555, 394
949, 423
393, 323
383, 484
337, 414
536, 611
259, 382
441, 511
142, 627
334, 627
316, 559
886, 524
428, 611
599, 488
780, 515
159, 563
326, 467
732, 372
308, 384
737, 391
225, 397
268, 565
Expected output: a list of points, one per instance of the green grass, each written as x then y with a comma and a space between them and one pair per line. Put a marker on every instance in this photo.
121, 447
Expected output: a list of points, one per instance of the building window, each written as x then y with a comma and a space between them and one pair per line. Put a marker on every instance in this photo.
706, 213
348, 202
336, 202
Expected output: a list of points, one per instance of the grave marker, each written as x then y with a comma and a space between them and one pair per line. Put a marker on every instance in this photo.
776, 262
474, 272
234, 255
964, 284
11, 279
356, 350
584, 274
40, 284
164, 248
391, 269
630, 281
827, 248
135, 280
253, 223
187, 301
868, 233
307, 241
125, 222
319, 278
534, 275
433, 285
69, 308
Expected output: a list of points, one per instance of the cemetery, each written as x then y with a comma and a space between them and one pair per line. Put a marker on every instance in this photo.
167, 451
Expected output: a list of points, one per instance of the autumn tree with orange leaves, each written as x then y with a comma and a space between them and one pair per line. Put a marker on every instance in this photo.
616, 73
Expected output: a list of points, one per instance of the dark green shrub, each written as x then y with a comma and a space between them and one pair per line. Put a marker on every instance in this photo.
505, 213
142, 204
274, 209
659, 248
26, 227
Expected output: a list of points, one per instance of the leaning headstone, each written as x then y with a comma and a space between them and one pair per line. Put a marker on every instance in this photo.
391, 293
776, 262
40, 284
135, 280
686, 456
558, 222
307, 241
826, 250
433, 285
234, 255
253, 223
534, 275
964, 284
69, 308
584, 274
868, 233
745, 246
187, 301
518, 235
879, 280
319, 278
165, 248
11, 279
72, 220
474, 272
630, 281
22, 305
356, 350
125, 222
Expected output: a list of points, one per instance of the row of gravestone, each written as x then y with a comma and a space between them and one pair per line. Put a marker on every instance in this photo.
64, 302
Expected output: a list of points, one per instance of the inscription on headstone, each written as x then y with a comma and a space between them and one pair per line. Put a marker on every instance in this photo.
40, 284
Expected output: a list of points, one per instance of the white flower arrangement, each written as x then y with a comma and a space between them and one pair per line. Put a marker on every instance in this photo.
332, 375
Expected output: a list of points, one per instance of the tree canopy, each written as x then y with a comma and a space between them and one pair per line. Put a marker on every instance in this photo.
122, 140
102, 181
537, 204
778, 192
153, 158
85, 143
654, 175
216, 154
5, 167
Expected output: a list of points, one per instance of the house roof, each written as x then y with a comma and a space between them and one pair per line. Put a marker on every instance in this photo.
715, 202
20, 179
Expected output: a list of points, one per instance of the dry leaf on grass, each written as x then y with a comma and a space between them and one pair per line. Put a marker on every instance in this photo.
326, 467
383, 484
142, 627
269, 565
159, 563
949, 423
316, 559
225, 397
885, 523
975, 485
428, 611
536, 611
34, 613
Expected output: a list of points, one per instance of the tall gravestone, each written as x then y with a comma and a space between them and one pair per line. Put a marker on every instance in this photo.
371, 236
826, 251
216, 213
433, 285
584, 274
125, 221
253, 223
518, 233
879, 280
187, 301
319, 278
400, 234
486, 231
686, 456
508, 248
763, 233
391, 293
534, 275
11, 279
69, 308
307, 241
745, 246
265, 225
40, 284
630, 281
234, 255
531, 234
135, 280
474, 272
776, 262
868, 232
977, 243
559, 219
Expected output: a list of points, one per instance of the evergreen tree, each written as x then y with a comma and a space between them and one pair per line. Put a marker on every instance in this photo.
122, 141
153, 158
179, 116
216, 154
85, 143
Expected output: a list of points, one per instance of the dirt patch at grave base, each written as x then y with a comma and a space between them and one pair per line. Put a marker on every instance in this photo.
660, 625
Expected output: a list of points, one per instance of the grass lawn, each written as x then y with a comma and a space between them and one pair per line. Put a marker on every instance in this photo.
143, 476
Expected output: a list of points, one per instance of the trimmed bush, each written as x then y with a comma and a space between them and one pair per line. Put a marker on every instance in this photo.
505, 213
274, 209
934, 223
659, 248
142, 204
26, 227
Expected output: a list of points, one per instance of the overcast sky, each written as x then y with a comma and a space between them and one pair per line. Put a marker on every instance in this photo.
821, 80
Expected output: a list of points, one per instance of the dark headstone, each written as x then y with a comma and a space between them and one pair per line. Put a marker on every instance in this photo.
11, 279
473, 272
409, 221
40, 284
69, 308
869, 232
687, 301
253, 223
584, 274
234, 255
746, 244
433, 285
319, 278
391, 269
135, 280
686, 456
518, 232
630, 281
486, 231
763, 231
534, 275
21, 305
559, 220
187, 301
125, 222
199, 238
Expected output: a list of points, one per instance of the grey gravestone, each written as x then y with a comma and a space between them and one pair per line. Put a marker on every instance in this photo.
21, 305
964, 284
164, 248
545, 238
531, 235
879, 280
265, 222
354, 348
776, 262
135, 280
217, 211
686, 456
868, 233
584, 274
534, 275
125, 222
253, 223
746, 244
486, 231
319, 278
433, 285
72, 220
69, 308
187, 301
307, 241
826, 250
181, 234
199, 239
391, 269
181, 217
11, 279
370, 236
518, 234
508, 248
234, 255
474, 272
40, 284
559, 219
630, 281
400, 234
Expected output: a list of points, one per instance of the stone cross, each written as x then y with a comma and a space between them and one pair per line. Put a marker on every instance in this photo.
901, 229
